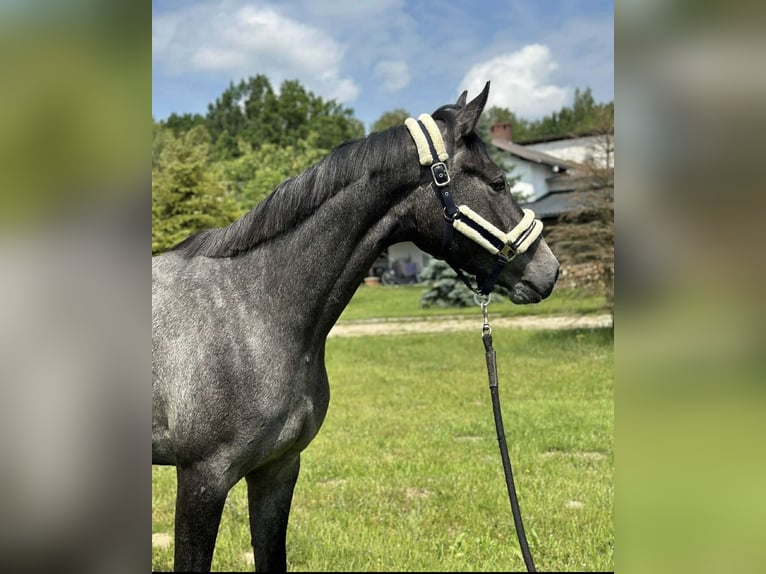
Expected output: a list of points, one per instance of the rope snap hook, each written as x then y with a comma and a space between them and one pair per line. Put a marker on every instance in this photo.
483, 301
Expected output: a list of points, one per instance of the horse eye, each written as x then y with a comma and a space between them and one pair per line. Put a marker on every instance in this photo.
498, 184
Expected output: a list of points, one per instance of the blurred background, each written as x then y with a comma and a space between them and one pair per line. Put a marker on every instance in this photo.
75, 198
74, 296
690, 118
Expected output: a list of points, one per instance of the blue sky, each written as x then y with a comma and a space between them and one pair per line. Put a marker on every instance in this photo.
378, 55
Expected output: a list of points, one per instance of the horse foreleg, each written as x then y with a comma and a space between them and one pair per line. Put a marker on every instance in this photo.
199, 505
269, 494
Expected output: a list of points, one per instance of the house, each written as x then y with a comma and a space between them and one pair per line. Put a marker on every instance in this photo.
539, 173
585, 148
558, 176
552, 171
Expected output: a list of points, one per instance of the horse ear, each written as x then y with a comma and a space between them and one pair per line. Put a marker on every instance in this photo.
469, 115
461, 100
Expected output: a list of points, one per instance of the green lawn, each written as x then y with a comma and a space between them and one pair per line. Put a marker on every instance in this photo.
404, 301
405, 474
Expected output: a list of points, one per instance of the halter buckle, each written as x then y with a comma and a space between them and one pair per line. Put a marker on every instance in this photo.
508, 252
440, 174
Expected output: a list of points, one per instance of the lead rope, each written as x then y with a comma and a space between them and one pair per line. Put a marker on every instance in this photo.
486, 336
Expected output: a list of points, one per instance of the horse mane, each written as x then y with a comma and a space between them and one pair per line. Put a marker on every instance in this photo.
295, 199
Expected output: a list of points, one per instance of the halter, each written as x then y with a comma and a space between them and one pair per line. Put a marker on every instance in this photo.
432, 152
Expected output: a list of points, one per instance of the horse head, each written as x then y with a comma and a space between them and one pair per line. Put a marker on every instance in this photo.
472, 221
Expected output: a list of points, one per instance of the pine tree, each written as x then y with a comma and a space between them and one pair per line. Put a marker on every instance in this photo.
446, 289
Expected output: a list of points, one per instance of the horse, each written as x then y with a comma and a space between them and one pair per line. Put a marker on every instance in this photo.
241, 314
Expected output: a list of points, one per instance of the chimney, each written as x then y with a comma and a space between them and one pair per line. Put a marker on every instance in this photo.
501, 131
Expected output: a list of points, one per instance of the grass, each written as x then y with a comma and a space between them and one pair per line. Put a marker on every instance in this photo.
405, 474
404, 301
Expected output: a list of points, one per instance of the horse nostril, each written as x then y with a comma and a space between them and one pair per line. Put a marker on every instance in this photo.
557, 274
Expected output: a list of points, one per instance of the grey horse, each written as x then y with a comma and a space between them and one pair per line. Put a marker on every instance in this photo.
240, 315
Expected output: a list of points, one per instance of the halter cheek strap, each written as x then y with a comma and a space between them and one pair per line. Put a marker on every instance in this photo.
432, 152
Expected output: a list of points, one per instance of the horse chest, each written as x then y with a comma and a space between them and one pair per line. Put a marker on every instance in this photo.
283, 411
310, 399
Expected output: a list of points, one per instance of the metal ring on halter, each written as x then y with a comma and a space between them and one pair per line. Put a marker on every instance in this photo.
482, 300
447, 217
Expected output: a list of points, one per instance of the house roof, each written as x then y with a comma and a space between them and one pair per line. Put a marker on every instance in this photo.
532, 155
562, 137
554, 204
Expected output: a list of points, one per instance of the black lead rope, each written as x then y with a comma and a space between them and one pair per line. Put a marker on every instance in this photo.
486, 335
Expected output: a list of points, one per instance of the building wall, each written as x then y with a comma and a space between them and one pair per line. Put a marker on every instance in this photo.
579, 150
532, 179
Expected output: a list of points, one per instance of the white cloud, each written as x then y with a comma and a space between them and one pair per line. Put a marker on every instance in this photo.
519, 82
251, 40
218, 59
393, 75
343, 90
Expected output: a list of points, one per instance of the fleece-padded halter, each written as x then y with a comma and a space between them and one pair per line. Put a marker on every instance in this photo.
510, 244
418, 132
432, 152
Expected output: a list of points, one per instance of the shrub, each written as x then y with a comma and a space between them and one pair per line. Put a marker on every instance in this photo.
446, 289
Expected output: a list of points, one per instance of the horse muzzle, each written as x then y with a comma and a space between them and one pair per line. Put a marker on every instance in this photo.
539, 278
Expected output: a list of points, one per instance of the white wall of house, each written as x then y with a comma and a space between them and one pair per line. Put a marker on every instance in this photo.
579, 150
532, 176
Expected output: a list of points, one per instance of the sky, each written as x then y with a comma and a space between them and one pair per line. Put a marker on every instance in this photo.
375, 56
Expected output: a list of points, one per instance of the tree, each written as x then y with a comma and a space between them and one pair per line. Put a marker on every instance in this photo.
255, 173
390, 119
251, 111
334, 124
260, 104
179, 124
603, 130
583, 116
186, 196
160, 137
226, 118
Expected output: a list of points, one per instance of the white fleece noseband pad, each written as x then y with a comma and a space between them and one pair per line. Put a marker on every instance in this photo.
510, 244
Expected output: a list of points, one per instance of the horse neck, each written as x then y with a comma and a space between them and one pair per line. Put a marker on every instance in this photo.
317, 266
